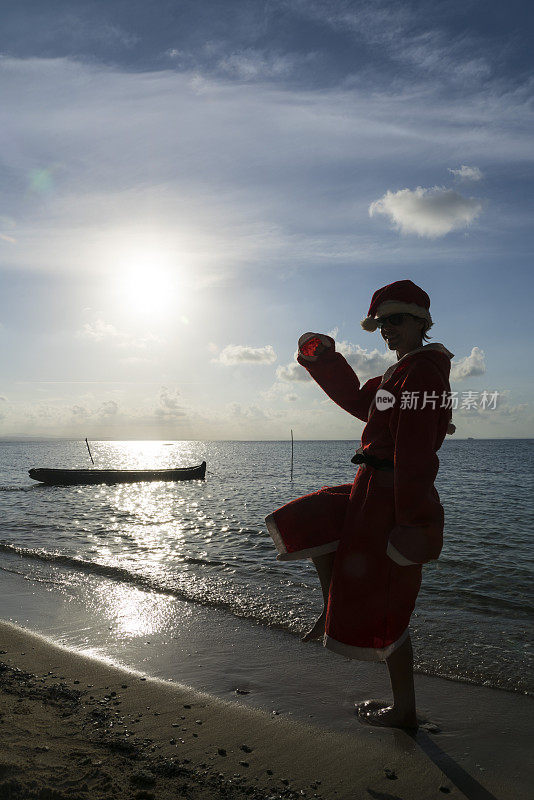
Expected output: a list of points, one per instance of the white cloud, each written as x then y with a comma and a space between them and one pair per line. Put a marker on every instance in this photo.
109, 408
100, 331
251, 412
507, 420
396, 32
465, 173
136, 417
251, 64
139, 410
104, 412
242, 354
473, 364
169, 406
366, 364
292, 372
429, 213
280, 392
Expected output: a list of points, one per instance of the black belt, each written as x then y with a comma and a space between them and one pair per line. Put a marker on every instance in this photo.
372, 461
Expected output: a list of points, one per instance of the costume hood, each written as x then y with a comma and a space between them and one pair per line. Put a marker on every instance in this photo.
438, 354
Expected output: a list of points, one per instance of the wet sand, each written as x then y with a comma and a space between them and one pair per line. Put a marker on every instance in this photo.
477, 738
75, 727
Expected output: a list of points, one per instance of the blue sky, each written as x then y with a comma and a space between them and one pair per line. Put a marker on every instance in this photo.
188, 186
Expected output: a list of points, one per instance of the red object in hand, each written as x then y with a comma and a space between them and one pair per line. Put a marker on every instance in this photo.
312, 347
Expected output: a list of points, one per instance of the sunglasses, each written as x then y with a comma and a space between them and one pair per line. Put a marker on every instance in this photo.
393, 319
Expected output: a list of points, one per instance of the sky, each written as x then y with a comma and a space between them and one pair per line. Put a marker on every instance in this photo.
188, 186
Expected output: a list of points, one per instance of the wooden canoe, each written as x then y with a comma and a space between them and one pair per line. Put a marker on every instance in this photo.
73, 477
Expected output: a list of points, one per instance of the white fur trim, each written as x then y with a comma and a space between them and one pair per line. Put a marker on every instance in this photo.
272, 527
364, 653
395, 307
435, 346
308, 552
397, 557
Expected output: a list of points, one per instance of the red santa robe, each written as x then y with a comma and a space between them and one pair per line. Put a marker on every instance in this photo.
386, 524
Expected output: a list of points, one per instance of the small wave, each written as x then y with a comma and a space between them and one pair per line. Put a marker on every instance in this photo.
256, 615
13, 571
493, 682
124, 575
70, 561
461, 597
17, 488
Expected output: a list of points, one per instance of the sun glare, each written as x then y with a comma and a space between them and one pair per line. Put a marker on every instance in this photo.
148, 283
147, 290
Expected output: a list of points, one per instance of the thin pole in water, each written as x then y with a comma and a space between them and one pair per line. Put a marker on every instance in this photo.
291, 453
89, 449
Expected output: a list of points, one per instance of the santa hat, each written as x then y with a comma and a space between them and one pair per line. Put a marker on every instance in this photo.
401, 297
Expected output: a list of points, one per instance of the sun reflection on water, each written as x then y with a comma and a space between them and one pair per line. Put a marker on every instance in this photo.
146, 454
147, 520
133, 612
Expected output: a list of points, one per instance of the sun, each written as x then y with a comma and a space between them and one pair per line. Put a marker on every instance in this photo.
147, 283
147, 289
148, 275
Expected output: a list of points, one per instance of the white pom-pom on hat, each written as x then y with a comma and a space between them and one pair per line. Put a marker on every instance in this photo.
369, 324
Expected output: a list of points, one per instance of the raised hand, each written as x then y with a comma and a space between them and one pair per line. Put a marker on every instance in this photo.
311, 345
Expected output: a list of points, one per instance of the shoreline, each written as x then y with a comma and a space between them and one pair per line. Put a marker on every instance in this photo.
47, 570
477, 738
80, 727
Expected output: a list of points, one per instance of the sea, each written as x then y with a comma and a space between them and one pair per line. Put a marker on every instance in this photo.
205, 542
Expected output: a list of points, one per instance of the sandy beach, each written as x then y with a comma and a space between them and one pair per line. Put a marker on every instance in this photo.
199, 703
76, 727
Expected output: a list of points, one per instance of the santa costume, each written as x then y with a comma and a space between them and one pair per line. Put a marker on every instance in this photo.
389, 521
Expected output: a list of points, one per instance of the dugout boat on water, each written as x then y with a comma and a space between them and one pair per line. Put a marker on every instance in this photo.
77, 477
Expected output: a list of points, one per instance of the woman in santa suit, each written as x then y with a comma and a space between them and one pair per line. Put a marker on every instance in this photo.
368, 540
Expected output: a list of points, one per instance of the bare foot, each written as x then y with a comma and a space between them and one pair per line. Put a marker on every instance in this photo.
376, 712
317, 631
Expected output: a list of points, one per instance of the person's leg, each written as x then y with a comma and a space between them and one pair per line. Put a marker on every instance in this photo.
400, 666
323, 564
402, 713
